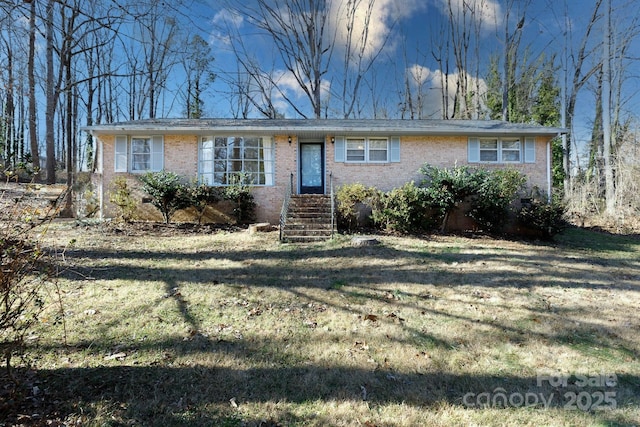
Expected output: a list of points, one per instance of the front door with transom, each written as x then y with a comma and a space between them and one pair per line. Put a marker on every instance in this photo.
311, 167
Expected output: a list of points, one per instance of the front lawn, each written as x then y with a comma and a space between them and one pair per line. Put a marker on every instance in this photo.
232, 329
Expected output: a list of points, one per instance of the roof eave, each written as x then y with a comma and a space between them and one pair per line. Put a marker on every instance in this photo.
314, 130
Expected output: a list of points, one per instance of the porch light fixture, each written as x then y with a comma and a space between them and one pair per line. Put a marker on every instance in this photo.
333, 139
289, 140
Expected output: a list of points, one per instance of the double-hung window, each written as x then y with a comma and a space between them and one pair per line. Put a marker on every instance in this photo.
489, 150
510, 150
221, 158
356, 149
139, 154
501, 150
367, 150
378, 149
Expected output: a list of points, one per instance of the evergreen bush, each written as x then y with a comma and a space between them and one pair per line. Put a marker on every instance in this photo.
168, 192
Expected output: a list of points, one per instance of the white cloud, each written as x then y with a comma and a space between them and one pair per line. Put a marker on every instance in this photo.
227, 17
419, 74
288, 84
382, 15
430, 83
225, 23
486, 12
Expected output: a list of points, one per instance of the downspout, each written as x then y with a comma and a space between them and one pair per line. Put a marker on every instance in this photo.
100, 170
549, 189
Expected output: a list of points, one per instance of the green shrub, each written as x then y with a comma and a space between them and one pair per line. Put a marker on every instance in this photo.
120, 195
446, 188
405, 209
350, 200
168, 192
239, 192
491, 193
494, 197
543, 217
203, 195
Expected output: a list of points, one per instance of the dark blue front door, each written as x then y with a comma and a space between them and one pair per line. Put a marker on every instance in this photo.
311, 168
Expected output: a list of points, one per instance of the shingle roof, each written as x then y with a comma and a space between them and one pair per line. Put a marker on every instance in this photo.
325, 126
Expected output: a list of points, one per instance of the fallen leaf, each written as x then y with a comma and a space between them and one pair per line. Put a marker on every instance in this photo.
362, 345
395, 316
479, 294
116, 356
371, 317
255, 312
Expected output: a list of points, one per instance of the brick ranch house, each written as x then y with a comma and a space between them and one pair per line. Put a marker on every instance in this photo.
313, 155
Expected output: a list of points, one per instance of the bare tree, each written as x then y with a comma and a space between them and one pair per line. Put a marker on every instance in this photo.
156, 32
579, 79
440, 53
51, 93
33, 131
253, 84
7, 123
359, 52
511, 45
197, 63
300, 31
456, 51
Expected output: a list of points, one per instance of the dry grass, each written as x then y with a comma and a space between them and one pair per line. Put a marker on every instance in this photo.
231, 329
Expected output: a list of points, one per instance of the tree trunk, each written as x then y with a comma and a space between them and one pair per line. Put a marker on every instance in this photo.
33, 131
50, 97
578, 81
610, 195
9, 109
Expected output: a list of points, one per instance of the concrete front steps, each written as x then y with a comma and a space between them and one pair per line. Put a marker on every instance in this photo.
308, 219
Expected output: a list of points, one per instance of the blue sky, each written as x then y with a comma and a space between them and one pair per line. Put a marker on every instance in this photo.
411, 29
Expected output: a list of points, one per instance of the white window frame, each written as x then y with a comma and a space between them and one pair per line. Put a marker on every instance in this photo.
351, 141
141, 158
371, 149
367, 148
124, 153
503, 142
495, 150
210, 145
500, 149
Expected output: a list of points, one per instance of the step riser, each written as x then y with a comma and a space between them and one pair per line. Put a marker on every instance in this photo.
299, 226
308, 219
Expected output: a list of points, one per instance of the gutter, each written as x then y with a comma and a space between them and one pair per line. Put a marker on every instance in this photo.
335, 127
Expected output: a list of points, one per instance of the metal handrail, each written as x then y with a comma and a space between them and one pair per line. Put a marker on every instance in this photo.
285, 205
333, 204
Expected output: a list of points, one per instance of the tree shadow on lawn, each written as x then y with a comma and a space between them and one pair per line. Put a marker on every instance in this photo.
295, 272
598, 240
295, 268
162, 395
172, 390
